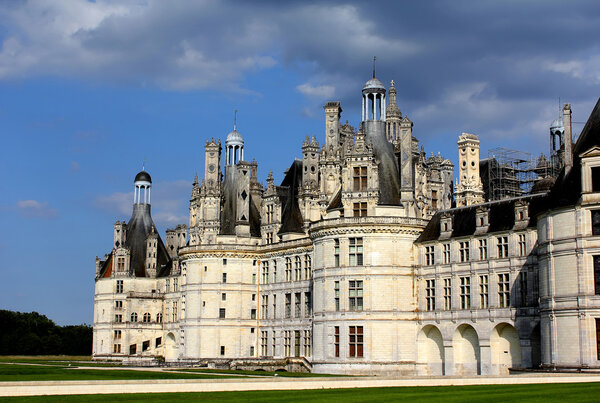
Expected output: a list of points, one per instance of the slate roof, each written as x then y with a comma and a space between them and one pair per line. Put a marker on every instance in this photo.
291, 217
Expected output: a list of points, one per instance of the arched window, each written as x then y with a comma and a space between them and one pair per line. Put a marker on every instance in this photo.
134, 317
146, 318
159, 318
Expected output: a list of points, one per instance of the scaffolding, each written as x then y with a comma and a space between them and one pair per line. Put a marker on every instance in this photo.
511, 173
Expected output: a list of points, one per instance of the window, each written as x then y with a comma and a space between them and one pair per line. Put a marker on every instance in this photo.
598, 339
287, 342
119, 286
174, 311
118, 305
360, 209
502, 246
337, 295
132, 349
483, 255
120, 264
465, 292
523, 288
252, 330
175, 284
355, 292
503, 290
595, 179
221, 313
446, 254
288, 269
464, 251
288, 305
117, 348
222, 350
274, 271
297, 305
223, 296
145, 345
336, 341
297, 343
253, 313
597, 274
307, 343
434, 199
117, 334
356, 251
264, 314
355, 341
307, 304
251, 351
274, 306
146, 318
158, 342
253, 297
360, 179
298, 269
269, 213
336, 252
167, 285
429, 255
483, 292
134, 317
118, 318
430, 295
224, 262
595, 222
159, 318
269, 238
307, 267
253, 278
522, 245
274, 343
224, 277
263, 342
447, 294
265, 273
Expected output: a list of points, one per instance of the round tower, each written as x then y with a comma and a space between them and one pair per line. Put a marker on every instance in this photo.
143, 184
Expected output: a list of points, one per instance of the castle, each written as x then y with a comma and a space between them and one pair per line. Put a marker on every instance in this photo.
366, 259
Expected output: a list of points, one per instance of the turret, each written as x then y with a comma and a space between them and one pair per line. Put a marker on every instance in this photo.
469, 189
151, 252
120, 234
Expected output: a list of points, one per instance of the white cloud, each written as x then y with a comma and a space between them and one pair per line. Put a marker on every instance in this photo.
36, 209
320, 91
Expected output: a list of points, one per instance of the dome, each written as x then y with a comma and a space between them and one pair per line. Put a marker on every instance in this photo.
543, 185
374, 84
234, 138
143, 176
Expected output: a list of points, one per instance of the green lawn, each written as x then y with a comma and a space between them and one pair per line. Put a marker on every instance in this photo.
19, 372
585, 392
257, 373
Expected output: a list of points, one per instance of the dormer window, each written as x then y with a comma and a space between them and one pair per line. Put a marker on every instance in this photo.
590, 175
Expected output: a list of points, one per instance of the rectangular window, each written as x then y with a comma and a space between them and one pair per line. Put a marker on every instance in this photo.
483, 254
356, 252
522, 245
158, 342
297, 305
264, 314
222, 350
355, 293
429, 255
174, 311
269, 213
597, 274
502, 246
523, 288
298, 269
360, 209
120, 264
336, 252
253, 313
464, 251
175, 284
132, 349
446, 254
595, 179
117, 334
119, 305
297, 343
595, 222
145, 345
360, 179
355, 344
307, 343
168, 285
503, 290
288, 305
274, 343
307, 304
274, 306
337, 295
598, 339
119, 286
465, 292
117, 348
483, 292
251, 351
265, 273
287, 342
253, 278
274, 271
447, 294
288, 269
223, 296
430, 294
269, 238
224, 277
336, 341
264, 337
307, 267
221, 313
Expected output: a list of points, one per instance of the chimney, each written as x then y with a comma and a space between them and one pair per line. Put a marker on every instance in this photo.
568, 140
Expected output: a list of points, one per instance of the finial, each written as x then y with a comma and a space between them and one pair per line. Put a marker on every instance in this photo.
144, 165
392, 83
235, 120
374, 59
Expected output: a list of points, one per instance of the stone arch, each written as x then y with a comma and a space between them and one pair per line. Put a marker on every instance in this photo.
505, 347
536, 347
430, 351
467, 357
170, 347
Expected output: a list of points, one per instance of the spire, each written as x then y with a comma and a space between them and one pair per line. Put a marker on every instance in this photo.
195, 179
374, 59
392, 109
235, 120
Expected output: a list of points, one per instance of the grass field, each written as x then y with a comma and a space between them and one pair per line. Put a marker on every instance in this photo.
20, 372
586, 392
60, 360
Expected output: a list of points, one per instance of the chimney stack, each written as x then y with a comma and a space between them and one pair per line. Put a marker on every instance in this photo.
568, 140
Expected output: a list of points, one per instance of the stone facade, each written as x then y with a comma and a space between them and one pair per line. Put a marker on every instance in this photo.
359, 263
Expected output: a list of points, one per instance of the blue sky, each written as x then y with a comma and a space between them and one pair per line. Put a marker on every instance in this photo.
89, 90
